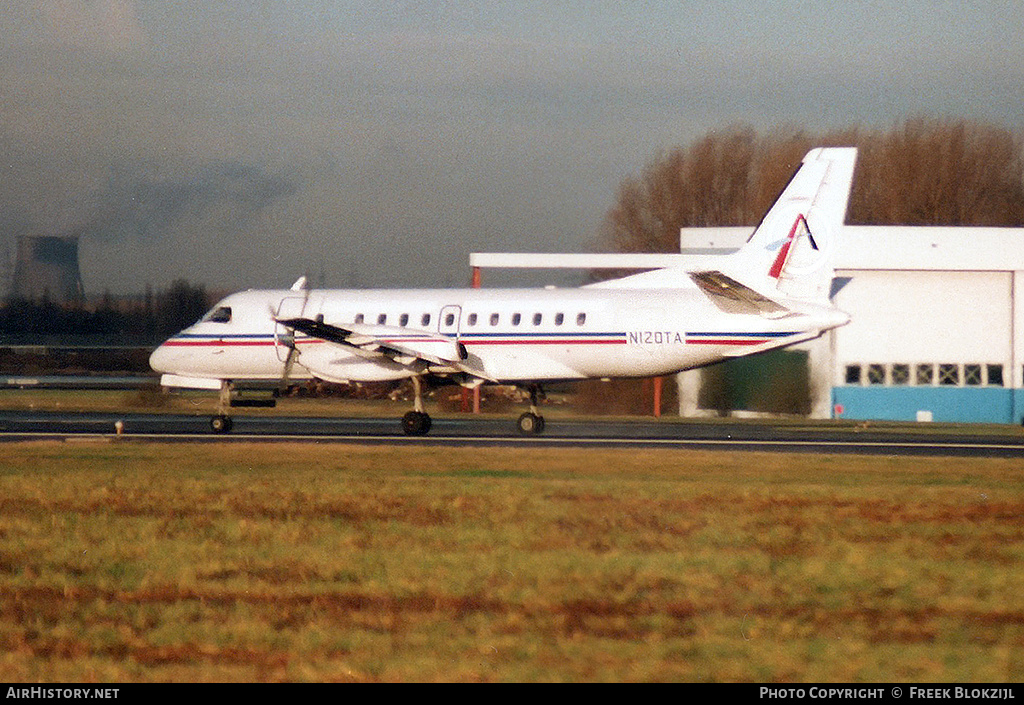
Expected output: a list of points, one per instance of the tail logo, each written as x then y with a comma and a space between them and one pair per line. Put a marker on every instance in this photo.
799, 233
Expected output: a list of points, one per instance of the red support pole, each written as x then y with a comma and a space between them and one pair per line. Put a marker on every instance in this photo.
475, 283
657, 397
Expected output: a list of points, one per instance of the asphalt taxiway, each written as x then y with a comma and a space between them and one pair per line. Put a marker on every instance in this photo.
501, 431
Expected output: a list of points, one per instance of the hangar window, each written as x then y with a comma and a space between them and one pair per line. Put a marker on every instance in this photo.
900, 374
995, 375
472, 319
382, 319
403, 320
925, 375
853, 374
425, 320
972, 375
949, 375
876, 374
516, 318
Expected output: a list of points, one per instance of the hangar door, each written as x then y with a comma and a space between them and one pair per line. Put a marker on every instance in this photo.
925, 345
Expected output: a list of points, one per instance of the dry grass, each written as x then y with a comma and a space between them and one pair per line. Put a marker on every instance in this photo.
128, 561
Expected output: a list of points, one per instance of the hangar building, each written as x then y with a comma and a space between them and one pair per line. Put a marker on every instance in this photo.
936, 330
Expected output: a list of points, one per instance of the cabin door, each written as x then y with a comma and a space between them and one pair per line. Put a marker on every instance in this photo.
449, 321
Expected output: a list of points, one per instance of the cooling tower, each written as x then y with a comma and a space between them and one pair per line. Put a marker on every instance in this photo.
47, 266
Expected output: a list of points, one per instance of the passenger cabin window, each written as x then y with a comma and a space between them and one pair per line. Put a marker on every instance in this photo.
494, 319
559, 318
581, 318
359, 318
382, 319
449, 319
221, 314
425, 321
537, 318
472, 319
516, 318
403, 320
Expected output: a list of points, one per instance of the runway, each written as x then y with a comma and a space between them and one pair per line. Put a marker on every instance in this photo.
812, 437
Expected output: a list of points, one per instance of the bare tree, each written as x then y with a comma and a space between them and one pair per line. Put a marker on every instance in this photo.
940, 172
923, 172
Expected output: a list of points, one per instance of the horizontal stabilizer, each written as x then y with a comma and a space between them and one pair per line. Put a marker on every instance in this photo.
733, 297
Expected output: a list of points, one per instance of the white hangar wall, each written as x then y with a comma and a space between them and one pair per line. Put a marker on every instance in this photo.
917, 316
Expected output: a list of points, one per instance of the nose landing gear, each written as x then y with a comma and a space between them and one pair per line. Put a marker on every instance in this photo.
221, 422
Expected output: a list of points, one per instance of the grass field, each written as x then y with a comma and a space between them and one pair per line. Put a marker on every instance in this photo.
126, 561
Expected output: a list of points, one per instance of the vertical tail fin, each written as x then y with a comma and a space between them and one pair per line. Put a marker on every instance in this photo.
792, 250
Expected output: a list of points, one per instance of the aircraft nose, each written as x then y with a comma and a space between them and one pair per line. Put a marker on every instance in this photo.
160, 359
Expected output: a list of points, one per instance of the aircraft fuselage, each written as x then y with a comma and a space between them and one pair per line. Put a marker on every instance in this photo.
510, 335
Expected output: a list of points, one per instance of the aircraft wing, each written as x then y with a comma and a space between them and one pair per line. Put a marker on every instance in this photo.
404, 346
734, 297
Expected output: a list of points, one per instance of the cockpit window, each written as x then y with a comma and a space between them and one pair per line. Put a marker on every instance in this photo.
221, 314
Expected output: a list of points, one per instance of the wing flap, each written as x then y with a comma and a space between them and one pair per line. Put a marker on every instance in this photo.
735, 297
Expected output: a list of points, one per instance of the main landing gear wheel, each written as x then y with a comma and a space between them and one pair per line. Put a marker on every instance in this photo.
220, 423
531, 424
416, 423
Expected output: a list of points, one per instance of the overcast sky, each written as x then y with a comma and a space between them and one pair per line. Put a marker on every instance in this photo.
379, 143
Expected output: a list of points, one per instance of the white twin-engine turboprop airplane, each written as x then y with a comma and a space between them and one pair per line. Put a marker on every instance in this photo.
772, 293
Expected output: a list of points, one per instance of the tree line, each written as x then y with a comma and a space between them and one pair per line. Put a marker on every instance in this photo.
924, 171
147, 320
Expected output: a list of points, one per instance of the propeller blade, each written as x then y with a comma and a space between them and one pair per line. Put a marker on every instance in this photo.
289, 340
289, 363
